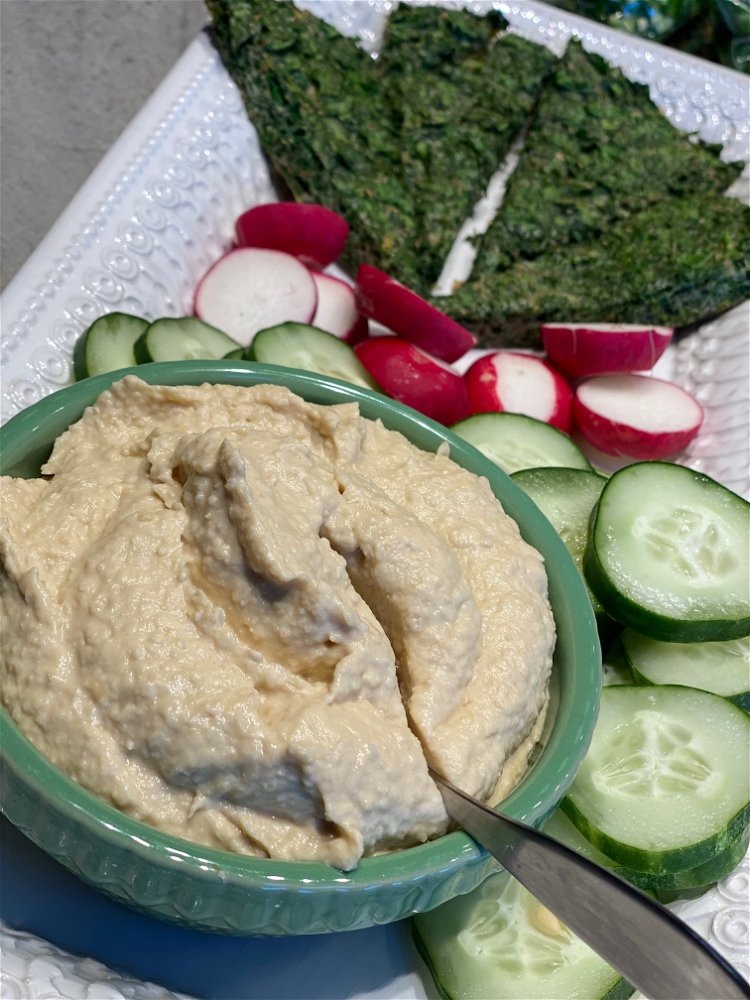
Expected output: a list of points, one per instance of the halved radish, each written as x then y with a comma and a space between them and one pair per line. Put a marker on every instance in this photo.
636, 416
604, 348
313, 233
397, 307
519, 383
412, 376
337, 311
249, 289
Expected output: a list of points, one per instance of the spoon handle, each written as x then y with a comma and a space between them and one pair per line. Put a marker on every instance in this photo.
651, 947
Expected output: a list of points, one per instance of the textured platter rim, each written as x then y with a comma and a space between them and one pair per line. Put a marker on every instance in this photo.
720, 916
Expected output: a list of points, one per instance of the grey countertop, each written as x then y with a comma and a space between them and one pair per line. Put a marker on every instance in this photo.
74, 73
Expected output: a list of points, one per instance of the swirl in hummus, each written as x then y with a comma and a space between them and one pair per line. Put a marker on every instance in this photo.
250, 621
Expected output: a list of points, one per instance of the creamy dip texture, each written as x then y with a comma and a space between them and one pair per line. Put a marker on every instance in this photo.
250, 621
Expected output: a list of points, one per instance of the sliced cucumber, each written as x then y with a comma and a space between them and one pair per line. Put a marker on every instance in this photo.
296, 345
499, 942
566, 497
514, 441
699, 876
668, 552
182, 339
720, 667
559, 827
665, 785
107, 345
237, 354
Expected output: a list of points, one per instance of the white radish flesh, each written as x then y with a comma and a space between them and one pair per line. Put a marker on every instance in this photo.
401, 310
519, 383
413, 377
580, 349
337, 311
249, 289
636, 416
313, 233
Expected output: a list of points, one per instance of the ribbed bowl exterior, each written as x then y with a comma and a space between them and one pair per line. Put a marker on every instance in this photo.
211, 901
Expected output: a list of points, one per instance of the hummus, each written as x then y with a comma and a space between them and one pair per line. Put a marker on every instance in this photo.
251, 621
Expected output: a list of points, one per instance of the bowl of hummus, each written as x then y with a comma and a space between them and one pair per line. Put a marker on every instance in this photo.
244, 608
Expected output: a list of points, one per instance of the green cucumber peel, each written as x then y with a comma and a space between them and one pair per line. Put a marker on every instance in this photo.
665, 785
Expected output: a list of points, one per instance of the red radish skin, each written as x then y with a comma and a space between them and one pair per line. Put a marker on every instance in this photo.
249, 289
519, 383
337, 311
636, 416
580, 349
413, 377
313, 233
401, 310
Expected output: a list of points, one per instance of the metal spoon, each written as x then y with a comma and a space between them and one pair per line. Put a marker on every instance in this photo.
651, 947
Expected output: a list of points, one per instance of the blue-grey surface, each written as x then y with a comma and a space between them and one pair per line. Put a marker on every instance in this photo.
40, 896
74, 73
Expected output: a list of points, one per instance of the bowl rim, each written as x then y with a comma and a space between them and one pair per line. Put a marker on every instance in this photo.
532, 801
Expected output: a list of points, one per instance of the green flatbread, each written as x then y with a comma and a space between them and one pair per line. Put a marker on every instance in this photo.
612, 215
324, 122
464, 88
674, 264
597, 151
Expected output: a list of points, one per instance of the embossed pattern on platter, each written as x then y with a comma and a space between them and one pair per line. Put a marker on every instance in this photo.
150, 236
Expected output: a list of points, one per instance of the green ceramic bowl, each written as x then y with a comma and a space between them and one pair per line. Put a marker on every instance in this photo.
215, 890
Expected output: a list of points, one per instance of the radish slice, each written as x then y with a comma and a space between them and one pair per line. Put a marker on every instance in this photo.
519, 383
248, 290
601, 348
397, 307
412, 376
337, 311
636, 416
313, 233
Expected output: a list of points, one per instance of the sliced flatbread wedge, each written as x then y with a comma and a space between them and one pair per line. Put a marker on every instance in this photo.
598, 150
324, 122
464, 87
674, 264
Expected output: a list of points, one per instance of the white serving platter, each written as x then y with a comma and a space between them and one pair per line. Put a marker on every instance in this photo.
156, 211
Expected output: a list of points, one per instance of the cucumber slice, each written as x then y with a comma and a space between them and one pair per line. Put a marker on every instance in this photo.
699, 876
665, 785
566, 497
297, 345
514, 441
720, 667
238, 354
107, 345
499, 942
667, 554
183, 339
